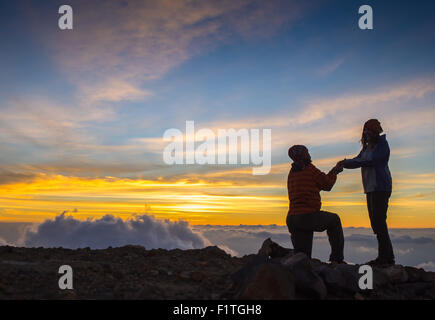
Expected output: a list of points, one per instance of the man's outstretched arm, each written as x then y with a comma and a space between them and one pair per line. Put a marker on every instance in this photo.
325, 181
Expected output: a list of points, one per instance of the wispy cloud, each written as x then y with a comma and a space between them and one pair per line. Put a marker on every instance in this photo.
334, 120
367, 102
117, 46
331, 66
44, 122
347, 109
113, 91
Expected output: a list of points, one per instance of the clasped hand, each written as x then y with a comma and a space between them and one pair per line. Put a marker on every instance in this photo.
338, 167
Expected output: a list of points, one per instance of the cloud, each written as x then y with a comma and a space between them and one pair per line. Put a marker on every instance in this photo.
349, 108
73, 167
68, 232
116, 50
414, 179
45, 123
114, 91
7, 177
405, 239
229, 250
408, 239
361, 238
428, 266
239, 240
117, 46
404, 251
411, 246
366, 250
344, 104
331, 66
320, 121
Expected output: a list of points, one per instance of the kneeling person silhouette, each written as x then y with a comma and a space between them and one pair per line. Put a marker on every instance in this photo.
304, 217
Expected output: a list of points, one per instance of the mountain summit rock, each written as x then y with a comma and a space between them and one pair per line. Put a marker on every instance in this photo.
133, 272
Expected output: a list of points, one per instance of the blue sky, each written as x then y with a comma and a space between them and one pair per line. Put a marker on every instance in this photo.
95, 101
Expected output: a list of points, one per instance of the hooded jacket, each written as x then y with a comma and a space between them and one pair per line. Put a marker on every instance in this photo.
375, 173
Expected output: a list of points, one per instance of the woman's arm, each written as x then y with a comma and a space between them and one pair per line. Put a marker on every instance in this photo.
352, 163
380, 154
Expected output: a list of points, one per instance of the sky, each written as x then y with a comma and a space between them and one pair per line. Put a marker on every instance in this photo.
83, 111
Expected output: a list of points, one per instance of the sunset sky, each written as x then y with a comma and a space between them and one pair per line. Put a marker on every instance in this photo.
83, 111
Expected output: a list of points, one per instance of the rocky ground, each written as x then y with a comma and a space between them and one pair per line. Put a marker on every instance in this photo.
132, 272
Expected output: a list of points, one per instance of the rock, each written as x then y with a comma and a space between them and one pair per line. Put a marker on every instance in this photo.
351, 276
164, 272
184, 275
215, 250
273, 250
136, 273
215, 296
430, 293
243, 272
414, 274
416, 289
134, 246
67, 295
197, 276
358, 296
394, 274
380, 279
266, 248
316, 262
265, 281
333, 278
428, 276
154, 272
306, 280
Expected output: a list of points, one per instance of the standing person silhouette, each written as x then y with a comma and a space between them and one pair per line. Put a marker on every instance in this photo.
376, 178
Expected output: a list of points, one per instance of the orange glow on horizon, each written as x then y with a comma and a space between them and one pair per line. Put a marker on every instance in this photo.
201, 202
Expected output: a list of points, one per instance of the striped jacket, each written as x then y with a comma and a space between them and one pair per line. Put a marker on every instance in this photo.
304, 188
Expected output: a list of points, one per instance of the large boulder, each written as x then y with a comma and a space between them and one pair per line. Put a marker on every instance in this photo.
280, 273
273, 250
306, 280
263, 280
333, 278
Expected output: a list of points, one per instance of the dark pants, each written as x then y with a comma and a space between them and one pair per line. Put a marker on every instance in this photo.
302, 227
377, 204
